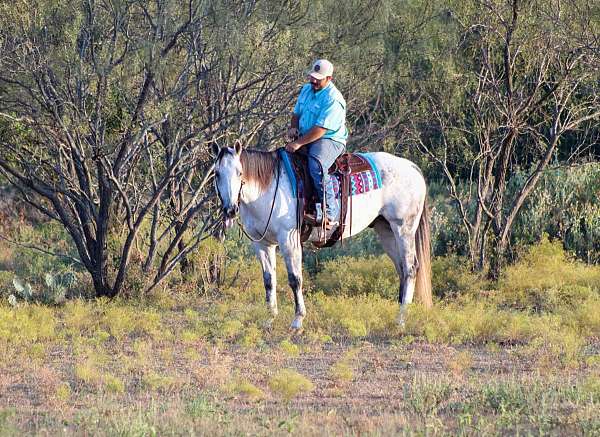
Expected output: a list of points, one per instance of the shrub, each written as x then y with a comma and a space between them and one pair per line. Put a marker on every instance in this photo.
545, 279
245, 389
289, 348
357, 316
451, 276
349, 276
288, 384
113, 384
156, 382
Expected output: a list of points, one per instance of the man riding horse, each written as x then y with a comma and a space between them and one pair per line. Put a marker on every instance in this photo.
318, 129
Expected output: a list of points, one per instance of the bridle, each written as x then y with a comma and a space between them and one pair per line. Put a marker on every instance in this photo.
264, 232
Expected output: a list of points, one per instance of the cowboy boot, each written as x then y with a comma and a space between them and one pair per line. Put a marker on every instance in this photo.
317, 218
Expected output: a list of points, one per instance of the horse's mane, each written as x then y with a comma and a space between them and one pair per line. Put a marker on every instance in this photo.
259, 167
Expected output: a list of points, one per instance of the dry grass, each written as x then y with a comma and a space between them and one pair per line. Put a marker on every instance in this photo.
521, 358
91, 379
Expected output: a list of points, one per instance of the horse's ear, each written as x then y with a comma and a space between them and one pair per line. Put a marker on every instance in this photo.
238, 147
215, 148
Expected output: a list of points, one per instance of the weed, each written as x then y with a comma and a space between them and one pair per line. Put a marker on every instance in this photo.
288, 384
358, 276
591, 388
26, 325
191, 354
289, 348
504, 398
113, 384
88, 373
63, 392
156, 382
460, 362
78, 317
343, 370
201, 407
545, 279
245, 389
231, 329
425, 397
252, 337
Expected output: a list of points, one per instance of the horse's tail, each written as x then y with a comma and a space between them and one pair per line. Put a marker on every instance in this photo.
423, 243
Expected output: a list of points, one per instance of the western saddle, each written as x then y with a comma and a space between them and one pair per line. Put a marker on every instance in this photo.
344, 166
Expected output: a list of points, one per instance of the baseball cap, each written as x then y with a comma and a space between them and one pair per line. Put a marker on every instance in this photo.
321, 69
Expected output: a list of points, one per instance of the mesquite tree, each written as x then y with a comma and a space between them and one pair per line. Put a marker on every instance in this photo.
107, 109
531, 84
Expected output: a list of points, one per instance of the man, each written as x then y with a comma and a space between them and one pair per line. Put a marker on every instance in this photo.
318, 126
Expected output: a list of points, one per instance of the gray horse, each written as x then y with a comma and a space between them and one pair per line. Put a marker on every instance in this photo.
254, 184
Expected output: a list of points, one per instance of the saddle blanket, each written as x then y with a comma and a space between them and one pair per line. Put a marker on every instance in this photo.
360, 182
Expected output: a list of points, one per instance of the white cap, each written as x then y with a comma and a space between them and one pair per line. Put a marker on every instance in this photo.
321, 69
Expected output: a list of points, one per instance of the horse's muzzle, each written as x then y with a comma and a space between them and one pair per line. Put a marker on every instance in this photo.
229, 214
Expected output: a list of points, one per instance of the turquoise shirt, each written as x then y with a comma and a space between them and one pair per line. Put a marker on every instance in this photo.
325, 108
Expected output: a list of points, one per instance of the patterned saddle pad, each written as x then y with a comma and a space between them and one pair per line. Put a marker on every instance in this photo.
361, 181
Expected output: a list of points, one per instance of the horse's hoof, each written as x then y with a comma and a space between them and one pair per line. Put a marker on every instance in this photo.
295, 332
401, 322
296, 325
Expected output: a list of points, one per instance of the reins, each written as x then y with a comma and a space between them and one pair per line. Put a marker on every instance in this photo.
256, 240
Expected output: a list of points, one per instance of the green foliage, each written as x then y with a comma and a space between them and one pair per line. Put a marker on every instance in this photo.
348, 276
246, 389
565, 206
156, 382
289, 348
545, 279
452, 276
288, 384
426, 396
27, 325
354, 317
343, 370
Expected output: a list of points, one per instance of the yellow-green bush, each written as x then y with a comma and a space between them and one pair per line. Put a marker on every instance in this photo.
546, 279
451, 276
244, 388
288, 384
357, 316
348, 276
27, 324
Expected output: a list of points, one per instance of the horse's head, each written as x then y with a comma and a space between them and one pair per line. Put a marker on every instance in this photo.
228, 180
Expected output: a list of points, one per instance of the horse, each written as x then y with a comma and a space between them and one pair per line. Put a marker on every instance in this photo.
253, 184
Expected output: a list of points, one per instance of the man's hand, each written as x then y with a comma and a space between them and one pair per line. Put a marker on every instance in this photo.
292, 147
293, 133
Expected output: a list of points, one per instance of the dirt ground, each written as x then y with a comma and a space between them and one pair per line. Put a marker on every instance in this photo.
374, 387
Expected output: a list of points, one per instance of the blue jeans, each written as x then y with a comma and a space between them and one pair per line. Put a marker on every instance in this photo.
321, 155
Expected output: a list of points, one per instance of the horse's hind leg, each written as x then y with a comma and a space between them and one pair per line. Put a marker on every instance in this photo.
398, 240
292, 253
388, 242
266, 256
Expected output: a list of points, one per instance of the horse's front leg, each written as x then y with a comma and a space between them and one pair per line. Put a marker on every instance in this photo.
266, 255
292, 253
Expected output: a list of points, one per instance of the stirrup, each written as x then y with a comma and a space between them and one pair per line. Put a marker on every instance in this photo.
331, 224
315, 219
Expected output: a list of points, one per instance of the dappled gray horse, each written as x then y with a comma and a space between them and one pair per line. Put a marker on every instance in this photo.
254, 184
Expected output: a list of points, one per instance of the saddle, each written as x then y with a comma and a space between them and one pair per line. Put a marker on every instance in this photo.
343, 168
